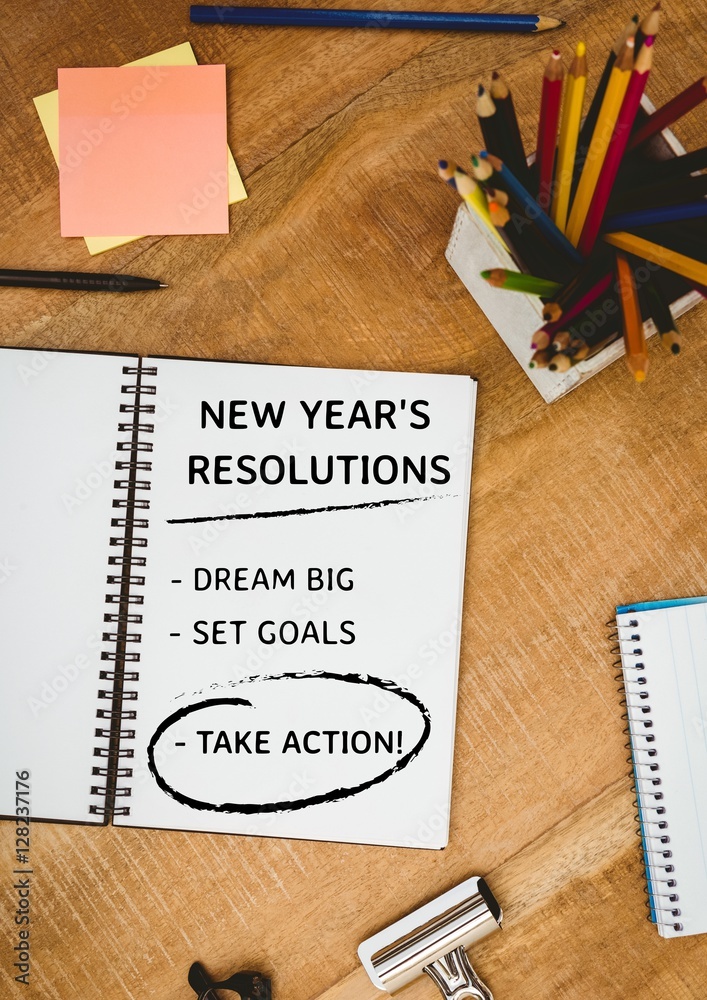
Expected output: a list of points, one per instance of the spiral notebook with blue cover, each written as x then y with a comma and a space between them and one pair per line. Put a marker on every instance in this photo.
230, 594
663, 651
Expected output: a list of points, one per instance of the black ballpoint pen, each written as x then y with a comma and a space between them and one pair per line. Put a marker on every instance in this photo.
79, 281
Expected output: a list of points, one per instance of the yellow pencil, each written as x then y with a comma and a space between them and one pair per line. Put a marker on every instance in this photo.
671, 260
475, 198
601, 137
569, 133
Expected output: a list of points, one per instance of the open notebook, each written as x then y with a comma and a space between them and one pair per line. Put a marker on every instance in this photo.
663, 649
231, 594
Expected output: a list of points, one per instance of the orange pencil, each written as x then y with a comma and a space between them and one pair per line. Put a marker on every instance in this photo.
634, 335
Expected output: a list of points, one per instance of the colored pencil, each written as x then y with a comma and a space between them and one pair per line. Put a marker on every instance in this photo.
670, 112
648, 28
514, 153
659, 309
634, 334
562, 361
617, 146
500, 217
541, 359
587, 129
601, 137
474, 198
491, 122
672, 192
445, 169
686, 237
484, 172
654, 216
496, 194
328, 18
559, 362
513, 281
549, 262
592, 271
561, 341
671, 260
548, 122
581, 303
533, 211
569, 134
541, 340
654, 171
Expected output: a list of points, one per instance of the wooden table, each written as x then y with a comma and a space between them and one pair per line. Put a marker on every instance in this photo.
337, 259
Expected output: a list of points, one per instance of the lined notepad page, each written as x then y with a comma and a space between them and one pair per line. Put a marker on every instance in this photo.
673, 651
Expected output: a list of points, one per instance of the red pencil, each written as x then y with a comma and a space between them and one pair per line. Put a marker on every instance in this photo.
670, 112
602, 285
617, 147
550, 103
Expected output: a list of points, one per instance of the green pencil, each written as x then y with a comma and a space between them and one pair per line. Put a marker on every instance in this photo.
514, 281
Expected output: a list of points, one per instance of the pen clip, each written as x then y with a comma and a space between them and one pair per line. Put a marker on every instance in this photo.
455, 977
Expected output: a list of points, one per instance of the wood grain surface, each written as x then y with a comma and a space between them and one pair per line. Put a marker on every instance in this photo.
337, 259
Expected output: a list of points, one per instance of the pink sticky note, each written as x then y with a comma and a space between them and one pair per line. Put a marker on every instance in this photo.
142, 149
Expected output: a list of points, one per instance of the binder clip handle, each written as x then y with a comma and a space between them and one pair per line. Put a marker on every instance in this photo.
455, 977
248, 985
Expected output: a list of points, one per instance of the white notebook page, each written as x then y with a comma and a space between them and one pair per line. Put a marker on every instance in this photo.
58, 434
407, 565
673, 651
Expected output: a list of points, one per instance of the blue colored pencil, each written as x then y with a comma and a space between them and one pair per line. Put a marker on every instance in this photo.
313, 17
532, 210
650, 216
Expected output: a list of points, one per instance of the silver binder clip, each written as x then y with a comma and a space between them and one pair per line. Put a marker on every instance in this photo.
433, 939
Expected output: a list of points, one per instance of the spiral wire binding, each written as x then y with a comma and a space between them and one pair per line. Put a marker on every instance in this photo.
644, 775
126, 572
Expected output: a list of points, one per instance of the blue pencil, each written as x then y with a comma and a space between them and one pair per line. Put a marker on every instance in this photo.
649, 216
532, 210
313, 17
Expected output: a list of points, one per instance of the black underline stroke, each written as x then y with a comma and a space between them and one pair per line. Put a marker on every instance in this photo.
304, 510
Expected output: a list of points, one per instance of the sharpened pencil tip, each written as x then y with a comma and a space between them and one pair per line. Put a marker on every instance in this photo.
442, 164
495, 75
487, 274
675, 348
639, 375
548, 23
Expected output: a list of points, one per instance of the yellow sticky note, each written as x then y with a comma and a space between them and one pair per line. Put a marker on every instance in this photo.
47, 106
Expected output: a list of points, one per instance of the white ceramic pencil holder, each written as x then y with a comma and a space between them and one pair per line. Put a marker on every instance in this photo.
515, 316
